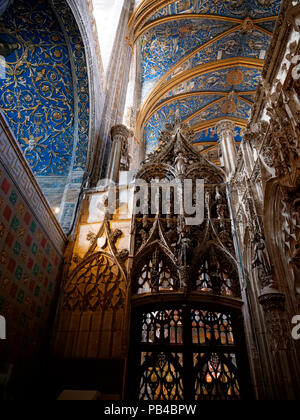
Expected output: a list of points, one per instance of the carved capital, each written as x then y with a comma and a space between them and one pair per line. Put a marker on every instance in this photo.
225, 127
272, 299
120, 133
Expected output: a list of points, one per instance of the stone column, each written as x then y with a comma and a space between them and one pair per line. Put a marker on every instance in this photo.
282, 350
225, 131
120, 135
117, 78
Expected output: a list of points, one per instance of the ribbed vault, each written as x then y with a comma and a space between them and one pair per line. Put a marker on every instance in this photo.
201, 57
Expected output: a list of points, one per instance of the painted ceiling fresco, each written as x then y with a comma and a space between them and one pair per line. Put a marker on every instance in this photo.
44, 94
228, 8
203, 57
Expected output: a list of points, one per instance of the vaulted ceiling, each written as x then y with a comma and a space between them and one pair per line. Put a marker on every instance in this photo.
203, 57
47, 111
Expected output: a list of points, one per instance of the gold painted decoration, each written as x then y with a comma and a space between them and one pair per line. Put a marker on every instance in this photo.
228, 107
235, 77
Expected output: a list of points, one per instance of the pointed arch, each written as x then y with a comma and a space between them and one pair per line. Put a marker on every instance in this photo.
155, 271
217, 272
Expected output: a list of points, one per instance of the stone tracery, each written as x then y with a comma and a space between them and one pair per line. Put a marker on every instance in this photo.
183, 243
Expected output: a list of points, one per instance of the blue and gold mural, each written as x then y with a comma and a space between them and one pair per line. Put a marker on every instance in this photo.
187, 107
228, 8
44, 94
209, 136
168, 43
203, 57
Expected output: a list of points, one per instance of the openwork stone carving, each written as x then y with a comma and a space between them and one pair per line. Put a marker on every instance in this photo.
97, 284
166, 247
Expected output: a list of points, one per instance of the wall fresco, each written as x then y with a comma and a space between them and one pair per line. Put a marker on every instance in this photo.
228, 8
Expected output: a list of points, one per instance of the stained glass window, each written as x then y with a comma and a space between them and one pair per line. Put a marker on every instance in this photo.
162, 327
216, 376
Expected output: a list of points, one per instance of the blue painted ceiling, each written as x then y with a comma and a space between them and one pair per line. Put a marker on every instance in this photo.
203, 57
44, 94
229, 8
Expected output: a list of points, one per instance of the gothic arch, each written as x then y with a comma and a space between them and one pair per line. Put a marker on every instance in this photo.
55, 91
155, 270
217, 271
47, 96
211, 173
162, 170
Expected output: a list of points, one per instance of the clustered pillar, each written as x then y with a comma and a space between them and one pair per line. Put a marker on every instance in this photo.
225, 131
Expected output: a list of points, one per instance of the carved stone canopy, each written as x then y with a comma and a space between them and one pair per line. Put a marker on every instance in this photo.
178, 153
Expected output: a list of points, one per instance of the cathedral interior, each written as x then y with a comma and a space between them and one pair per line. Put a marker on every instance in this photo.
112, 287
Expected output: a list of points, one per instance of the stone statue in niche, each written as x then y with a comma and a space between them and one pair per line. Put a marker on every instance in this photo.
181, 164
184, 244
144, 236
261, 260
221, 210
125, 158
